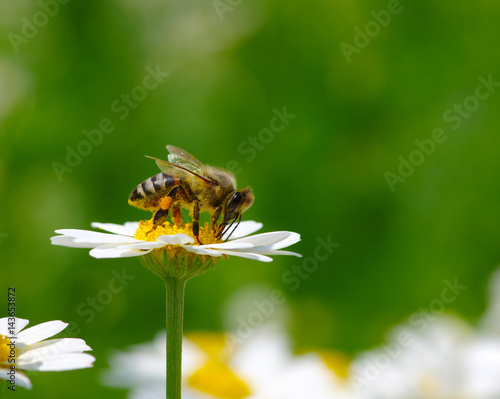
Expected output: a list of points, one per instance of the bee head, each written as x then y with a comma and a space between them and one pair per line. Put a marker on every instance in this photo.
236, 204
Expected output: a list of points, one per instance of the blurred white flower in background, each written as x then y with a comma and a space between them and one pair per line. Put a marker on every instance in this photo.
253, 360
214, 367
435, 356
444, 358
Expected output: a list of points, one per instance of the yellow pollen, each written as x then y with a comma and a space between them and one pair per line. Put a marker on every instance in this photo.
4, 349
212, 344
148, 232
216, 379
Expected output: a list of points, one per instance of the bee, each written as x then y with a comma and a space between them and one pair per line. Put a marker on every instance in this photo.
186, 182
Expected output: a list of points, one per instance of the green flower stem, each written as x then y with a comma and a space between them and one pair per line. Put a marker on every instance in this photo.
175, 309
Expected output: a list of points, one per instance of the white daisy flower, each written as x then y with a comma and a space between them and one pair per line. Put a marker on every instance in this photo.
121, 243
29, 351
261, 367
437, 357
175, 244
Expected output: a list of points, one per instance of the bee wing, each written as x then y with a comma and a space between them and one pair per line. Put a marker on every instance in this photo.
184, 159
177, 170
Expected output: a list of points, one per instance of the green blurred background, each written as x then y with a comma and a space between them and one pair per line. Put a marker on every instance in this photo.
323, 175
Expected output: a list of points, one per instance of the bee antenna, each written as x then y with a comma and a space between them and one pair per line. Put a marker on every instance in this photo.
235, 227
226, 228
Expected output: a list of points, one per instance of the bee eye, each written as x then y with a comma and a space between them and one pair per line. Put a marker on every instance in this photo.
234, 202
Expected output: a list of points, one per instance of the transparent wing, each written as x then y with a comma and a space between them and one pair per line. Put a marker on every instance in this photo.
183, 158
176, 170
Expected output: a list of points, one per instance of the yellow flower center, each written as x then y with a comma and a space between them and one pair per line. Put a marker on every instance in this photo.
147, 231
5, 350
212, 344
335, 361
175, 260
215, 377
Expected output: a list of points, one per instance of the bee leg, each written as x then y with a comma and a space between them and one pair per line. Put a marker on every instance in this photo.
221, 230
165, 203
196, 221
215, 218
160, 217
176, 215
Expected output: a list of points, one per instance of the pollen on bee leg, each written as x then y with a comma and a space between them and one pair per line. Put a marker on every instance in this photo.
165, 202
176, 215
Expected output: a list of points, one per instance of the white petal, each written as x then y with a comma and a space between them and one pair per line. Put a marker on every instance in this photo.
229, 245
290, 238
198, 249
40, 332
122, 251
293, 238
51, 348
263, 356
248, 255
265, 252
138, 244
66, 361
138, 248
192, 357
306, 376
175, 239
19, 324
155, 390
273, 239
66, 241
92, 237
142, 366
127, 229
245, 228
481, 361
21, 379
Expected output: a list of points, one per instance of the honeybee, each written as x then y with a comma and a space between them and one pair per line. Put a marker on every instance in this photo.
186, 182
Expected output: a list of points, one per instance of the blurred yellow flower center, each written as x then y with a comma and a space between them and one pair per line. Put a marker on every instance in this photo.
430, 386
212, 344
335, 361
147, 231
5, 349
215, 377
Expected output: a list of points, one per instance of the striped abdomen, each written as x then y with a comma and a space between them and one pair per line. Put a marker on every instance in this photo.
148, 194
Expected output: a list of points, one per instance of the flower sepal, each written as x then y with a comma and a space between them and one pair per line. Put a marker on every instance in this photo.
175, 262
